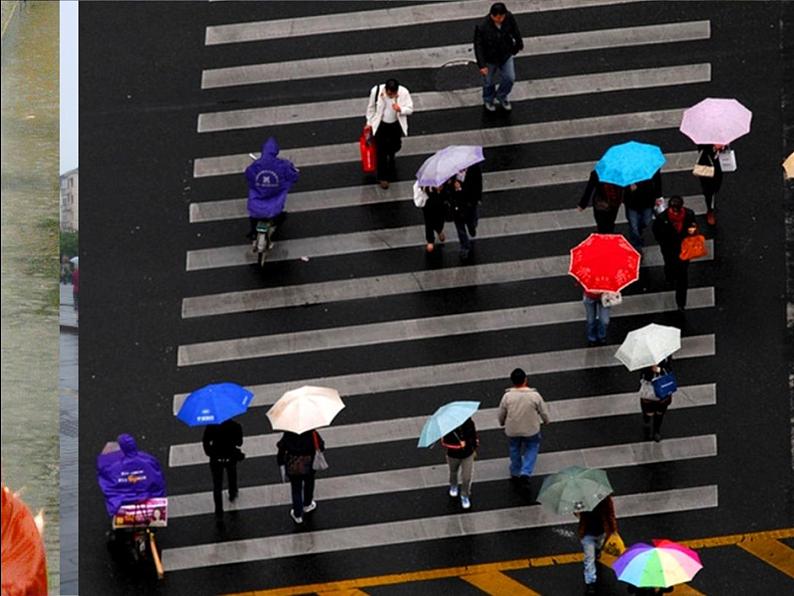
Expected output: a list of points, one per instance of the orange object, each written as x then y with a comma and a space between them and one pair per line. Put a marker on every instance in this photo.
24, 565
366, 144
693, 247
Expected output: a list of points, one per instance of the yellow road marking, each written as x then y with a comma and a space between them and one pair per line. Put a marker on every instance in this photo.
771, 551
352, 592
497, 583
781, 562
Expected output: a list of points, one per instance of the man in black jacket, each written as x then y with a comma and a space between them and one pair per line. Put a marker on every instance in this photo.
221, 444
496, 40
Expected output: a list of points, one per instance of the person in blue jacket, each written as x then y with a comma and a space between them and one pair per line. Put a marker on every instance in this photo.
269, 180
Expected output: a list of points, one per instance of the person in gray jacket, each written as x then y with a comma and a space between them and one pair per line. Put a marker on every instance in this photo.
522, 411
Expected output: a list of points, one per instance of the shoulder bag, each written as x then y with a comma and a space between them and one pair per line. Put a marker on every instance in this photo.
320, 462
610, 299
727, 160
704, 171
665, 385
420, 196
646, 390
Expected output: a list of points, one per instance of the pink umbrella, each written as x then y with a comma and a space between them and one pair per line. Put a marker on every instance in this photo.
716, 121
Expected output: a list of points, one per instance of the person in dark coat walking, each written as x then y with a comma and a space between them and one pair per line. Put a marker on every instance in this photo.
433, 212
654, 408
295, 457
639, 200
465, 197
222, 444
669, 228
461, 445
709, 156
595, 527
496, 40
606, 200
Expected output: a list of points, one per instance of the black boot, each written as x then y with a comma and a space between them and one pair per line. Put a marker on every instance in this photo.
646, 427
657, 427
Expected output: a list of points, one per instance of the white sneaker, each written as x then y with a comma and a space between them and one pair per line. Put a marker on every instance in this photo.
453, 491
297, 520
464, 502
310, 507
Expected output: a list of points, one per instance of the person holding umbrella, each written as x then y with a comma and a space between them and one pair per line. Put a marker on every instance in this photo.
594, 529
606, 200
298, 413
461, 445
433, 213
295, 457
670, 228
653, 407
710, 185
465, 198
639, 200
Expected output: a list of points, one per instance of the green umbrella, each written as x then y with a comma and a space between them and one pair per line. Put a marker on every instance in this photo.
574, 489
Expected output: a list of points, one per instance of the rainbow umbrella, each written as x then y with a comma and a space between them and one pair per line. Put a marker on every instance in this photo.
662, 565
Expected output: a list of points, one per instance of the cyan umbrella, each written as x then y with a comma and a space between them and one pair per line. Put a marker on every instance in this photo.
574, 489
628, 163
446, 419
214, 404
444, 164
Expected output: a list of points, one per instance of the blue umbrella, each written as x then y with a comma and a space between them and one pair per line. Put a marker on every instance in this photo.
444, 164
628, 163
446, 419
214, 403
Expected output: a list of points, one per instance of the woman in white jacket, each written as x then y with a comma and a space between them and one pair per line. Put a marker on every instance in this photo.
389, 106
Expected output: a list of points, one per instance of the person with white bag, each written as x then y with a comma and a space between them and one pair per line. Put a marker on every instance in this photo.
431, 201
296, 459
711, 175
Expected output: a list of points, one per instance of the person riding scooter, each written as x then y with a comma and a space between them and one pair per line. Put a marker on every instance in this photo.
269, 180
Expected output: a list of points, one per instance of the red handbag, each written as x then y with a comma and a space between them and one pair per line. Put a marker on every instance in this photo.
366, 144
693, 247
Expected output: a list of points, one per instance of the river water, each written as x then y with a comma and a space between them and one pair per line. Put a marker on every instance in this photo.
30, 293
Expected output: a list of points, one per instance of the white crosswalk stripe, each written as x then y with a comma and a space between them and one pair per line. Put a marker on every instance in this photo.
216, 351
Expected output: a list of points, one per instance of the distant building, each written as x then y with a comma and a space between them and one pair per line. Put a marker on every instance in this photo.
69, 210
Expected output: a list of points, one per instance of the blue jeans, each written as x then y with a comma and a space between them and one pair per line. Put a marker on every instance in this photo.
462, 223
302, 492
638, 221
508, 71
589, 546
523, 454
597, 319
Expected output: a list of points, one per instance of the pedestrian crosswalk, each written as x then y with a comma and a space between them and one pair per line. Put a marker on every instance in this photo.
397, 334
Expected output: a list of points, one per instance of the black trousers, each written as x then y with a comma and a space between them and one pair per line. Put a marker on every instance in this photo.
302, 492
710, 187
216, 467
676, 272
388, 141
605, 220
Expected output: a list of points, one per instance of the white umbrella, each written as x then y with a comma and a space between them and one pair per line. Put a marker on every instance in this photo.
305, 409
648, 345
74, 260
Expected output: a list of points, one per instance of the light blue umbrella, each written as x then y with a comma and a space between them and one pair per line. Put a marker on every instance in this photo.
444, 164
628, 163
446, 419
214, 404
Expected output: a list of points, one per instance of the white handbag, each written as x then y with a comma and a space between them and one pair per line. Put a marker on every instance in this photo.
727, 160
420, 196
610, 299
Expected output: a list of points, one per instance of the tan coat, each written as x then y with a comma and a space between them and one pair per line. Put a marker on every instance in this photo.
521, 412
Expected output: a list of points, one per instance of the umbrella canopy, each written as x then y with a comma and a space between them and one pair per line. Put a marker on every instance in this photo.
648, 345
605, 263
75, 261
574, 489
214, 404
446, 419
628, 163
788, 166
444, 164
716, 121
662, 565
305, 409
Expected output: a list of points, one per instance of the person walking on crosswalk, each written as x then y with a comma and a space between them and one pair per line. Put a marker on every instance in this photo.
606, 200
465, 199
653, 407
388, 109
595, 527
670, 228
433, 212
496, 40
639, 200
522, 411
295, 458
222, 444
461, 445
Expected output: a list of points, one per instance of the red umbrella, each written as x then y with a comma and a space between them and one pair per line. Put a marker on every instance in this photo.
605, 263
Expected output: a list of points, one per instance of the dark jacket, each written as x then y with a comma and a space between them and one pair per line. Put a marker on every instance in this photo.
666, 365
465, 200
667, 236
646, 194
601, 520
466, 432
494, 45
707, 156
603, 196
269, 180
222, 440
294, 444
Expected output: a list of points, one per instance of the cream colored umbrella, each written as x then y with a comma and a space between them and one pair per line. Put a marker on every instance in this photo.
306, 408
788, 166
648, 345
